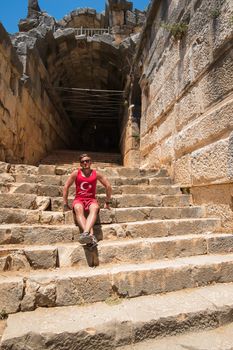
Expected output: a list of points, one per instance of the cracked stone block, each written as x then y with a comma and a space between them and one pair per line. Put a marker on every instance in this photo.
11, 292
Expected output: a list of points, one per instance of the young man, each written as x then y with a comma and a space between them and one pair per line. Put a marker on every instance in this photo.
85, 201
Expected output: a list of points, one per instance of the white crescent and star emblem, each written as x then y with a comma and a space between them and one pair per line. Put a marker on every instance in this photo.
84, 187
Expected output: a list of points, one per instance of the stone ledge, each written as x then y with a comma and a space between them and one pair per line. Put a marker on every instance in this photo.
129, 322
22, 257
215, 339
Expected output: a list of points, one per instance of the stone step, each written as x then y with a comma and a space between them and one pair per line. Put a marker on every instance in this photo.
75, 165
59, 180
133, 200
108, 171
118, 171
32, 201
21, 257
38, 234
157, 228
118, 322
43, 169
115, 215
15, 258
220, 338
26, 291
24, 201
50, 234
57, 191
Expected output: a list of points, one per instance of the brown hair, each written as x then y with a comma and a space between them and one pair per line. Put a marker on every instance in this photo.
84, 155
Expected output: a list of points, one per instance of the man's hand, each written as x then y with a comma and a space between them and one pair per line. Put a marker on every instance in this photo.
66, 207
107, 205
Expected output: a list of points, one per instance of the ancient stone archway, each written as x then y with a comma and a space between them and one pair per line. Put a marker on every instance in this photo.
67, 80
89, 77
82, 62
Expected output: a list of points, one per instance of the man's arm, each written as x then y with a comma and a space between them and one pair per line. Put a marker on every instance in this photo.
68, 183
108, 188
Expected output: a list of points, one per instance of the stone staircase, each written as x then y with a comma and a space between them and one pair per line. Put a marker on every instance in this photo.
64, 157
162, 267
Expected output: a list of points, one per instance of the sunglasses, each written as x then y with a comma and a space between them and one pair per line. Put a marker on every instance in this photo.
85, 161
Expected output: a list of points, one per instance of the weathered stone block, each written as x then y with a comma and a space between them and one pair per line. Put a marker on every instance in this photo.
200, 52
125, 252
46, 169
49, 180
50, 191
23, 169
79, 290
38, 234
182, 171
21, 178
11, 200
41, 258
178, 248
9, 216
51, 218
38, 294
218, 202
219, 81
167, 150
126, 215
212, 163
173, 201
6, 178
11, 294
188, 108
27, 189
13, 260
203, 129
42, 203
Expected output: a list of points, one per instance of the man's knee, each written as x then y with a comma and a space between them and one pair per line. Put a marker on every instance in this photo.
78, 209
94, 208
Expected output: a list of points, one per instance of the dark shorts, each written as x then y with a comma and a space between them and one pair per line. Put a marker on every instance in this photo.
85, 203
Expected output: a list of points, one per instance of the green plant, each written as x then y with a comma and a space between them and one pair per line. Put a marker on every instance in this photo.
3, 315
215, 13
113, 300
177, 30
136, 136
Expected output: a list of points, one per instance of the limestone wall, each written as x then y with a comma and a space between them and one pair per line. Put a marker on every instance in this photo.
187, 102
30, 125
130, 137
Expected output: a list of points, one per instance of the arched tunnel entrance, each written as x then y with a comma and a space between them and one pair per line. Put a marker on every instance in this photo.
76, 75
88, 75
95, 116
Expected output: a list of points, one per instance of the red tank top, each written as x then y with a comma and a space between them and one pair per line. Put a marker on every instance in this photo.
85, 186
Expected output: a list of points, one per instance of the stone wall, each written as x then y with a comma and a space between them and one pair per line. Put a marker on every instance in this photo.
186, 62
130, 137
83, 17
30, 125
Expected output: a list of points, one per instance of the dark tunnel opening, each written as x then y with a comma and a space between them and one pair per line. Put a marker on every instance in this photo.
88, 76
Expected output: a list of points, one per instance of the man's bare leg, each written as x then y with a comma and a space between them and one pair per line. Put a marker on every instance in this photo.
85, 238
91, 219
79, 214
